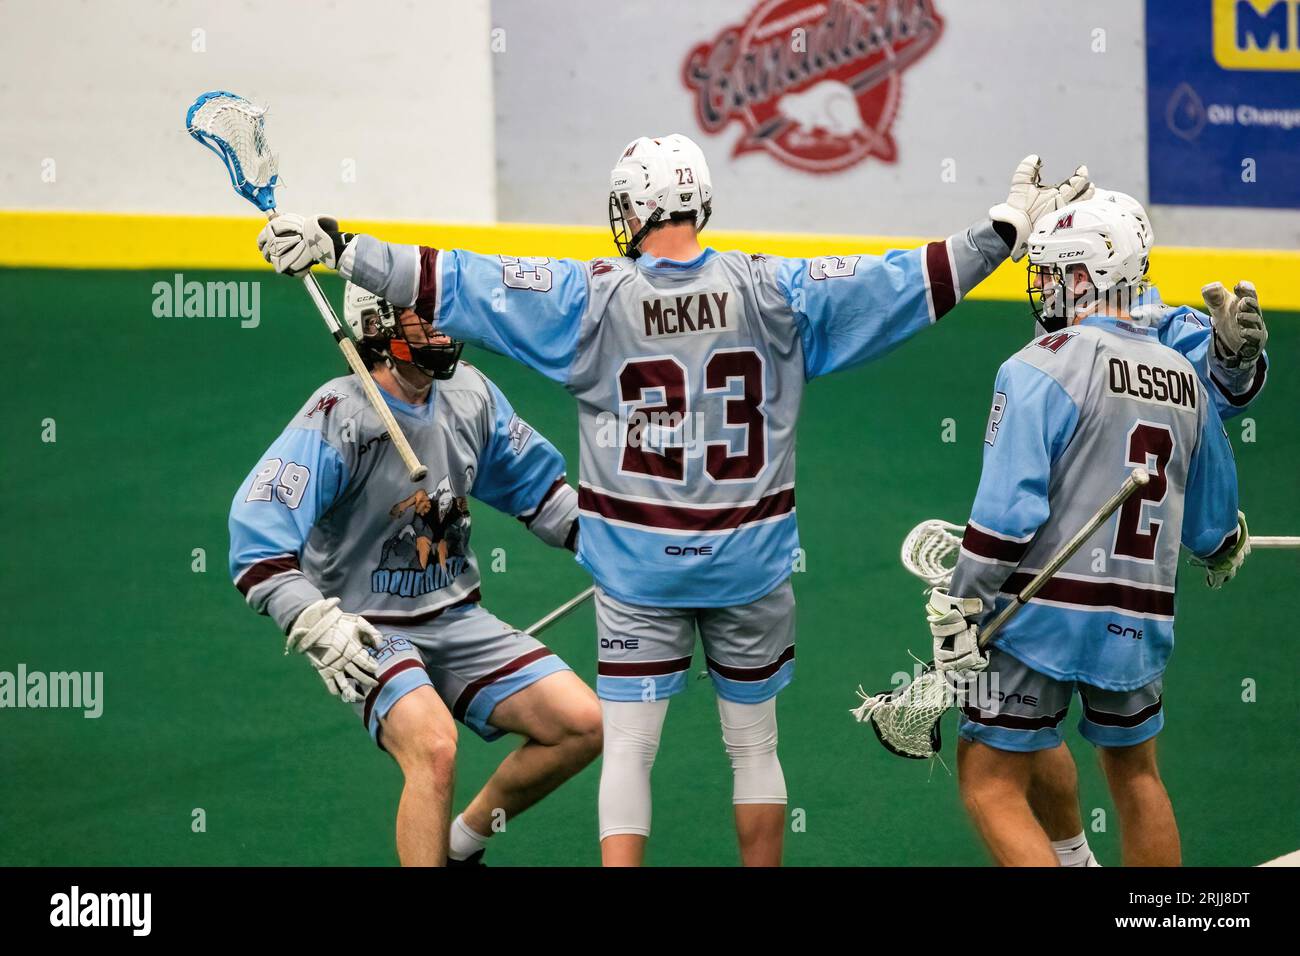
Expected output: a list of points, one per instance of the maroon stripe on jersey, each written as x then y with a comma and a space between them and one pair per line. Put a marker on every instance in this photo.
1248, 396
461, 707
642, 668
1126, 597
984, 545
426, 295
1013, 721
679, 518
529, 518
262, 570
384, 678
1103, 719
750, 673
472, 598
943, 287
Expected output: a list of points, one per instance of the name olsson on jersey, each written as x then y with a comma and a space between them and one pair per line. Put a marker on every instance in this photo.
685, 314
1151, 383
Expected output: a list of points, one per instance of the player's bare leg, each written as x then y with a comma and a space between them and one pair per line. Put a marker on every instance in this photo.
1148, 830
560, 716
1054, 798
760, 829
1054, 792
420, 733
995, 788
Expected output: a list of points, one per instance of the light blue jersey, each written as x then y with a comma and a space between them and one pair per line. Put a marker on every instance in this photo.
689, 378
330, 510
1073, 413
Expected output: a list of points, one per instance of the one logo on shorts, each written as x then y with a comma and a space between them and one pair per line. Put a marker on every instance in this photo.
815, 84
1120, 630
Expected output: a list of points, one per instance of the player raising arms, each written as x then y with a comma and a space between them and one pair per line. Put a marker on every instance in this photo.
688, 365
1226, 348
368, 580
1073, 412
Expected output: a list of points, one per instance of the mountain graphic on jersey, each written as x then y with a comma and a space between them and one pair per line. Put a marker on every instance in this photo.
430, 546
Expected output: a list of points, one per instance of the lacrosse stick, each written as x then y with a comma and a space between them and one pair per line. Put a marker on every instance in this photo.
235, 130
562, 611
1274, 541
907, 721
930, 551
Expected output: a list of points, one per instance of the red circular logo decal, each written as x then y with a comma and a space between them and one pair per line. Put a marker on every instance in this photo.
815, 84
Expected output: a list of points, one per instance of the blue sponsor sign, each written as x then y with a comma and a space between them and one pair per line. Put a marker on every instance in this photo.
1223, 102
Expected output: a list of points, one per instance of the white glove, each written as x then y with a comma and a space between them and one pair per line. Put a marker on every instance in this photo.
956, 639
336, 643
1223, 568
1239, 332
293, 244
1029, 200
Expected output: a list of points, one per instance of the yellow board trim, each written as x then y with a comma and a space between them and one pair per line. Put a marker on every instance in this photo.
85, 240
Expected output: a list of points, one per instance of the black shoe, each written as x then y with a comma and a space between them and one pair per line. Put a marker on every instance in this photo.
474, 859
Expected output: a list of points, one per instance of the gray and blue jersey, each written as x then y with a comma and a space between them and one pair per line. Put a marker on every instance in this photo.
689, 378
331, 510
1073, 413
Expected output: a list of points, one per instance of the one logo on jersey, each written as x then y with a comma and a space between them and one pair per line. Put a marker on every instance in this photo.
705, 312
1065, 222
520, 431
600, 267
325, 404
430, 547
816, 84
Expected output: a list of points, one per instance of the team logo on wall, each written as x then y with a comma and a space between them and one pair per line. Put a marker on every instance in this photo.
816, 84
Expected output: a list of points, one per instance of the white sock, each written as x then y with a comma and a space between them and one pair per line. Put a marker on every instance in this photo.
465, 841
1075, 851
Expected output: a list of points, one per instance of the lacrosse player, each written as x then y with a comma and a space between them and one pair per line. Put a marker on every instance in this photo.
688, 365
1094, 395
1226, 347
376, 585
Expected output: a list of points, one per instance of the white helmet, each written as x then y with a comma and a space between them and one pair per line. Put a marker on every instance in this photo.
655, 179
1097, 235
1133, 208
376, 326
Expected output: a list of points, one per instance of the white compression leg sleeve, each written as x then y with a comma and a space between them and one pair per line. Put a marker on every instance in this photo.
632, 730
749, 733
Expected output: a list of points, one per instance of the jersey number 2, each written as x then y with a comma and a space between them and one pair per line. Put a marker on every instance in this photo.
668, 376
1149, 446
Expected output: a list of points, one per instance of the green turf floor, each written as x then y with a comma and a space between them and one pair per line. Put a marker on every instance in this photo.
159, 419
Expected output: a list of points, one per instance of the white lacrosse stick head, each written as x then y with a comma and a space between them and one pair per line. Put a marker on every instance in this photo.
930, 551
234, 129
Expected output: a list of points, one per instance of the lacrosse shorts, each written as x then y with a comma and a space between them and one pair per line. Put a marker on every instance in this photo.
645, 652
1022, 710
469, 656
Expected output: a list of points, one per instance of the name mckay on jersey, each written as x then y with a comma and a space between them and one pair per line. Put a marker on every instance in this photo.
670, 316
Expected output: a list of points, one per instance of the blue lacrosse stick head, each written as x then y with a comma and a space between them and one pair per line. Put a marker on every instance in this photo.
232, 127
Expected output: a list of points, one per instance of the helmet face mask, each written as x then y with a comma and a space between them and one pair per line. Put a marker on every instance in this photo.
399, 335
657, 180
1082, 257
